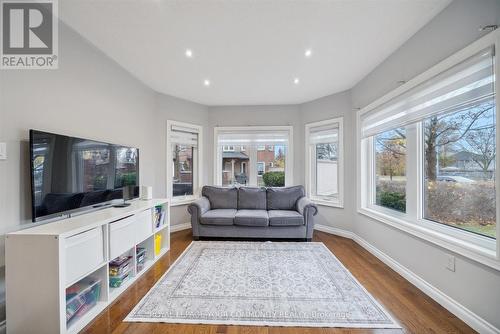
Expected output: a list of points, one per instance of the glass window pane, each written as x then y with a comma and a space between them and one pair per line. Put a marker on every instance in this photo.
235, 165
271, 166
390, 167
459, 167
182, 181
326, 170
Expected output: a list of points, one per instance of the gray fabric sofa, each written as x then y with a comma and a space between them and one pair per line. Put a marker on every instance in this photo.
246, 212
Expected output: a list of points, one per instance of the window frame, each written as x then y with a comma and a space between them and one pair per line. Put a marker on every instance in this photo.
197, 164
476, 247
309, 155
218, 168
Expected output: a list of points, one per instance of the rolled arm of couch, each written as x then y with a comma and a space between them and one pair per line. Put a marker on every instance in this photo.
197, 209
308, 210
304, 205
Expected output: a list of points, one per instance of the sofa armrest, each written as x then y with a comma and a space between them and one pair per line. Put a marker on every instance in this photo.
304, 204
308, 210
197, 209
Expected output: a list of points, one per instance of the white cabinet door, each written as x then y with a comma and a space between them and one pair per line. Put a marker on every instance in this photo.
121, 236
143, 225
84, 253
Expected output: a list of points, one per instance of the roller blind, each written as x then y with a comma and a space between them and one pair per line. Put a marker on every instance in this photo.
184, 135
324, 134
467, 82
253, 138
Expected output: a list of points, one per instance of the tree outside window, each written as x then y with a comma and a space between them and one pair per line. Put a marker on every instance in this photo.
390, 161
459, 158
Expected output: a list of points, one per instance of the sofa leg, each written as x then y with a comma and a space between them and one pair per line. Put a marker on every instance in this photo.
196, 238
308, 239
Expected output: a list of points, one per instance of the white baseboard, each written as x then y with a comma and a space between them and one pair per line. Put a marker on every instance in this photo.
334, 230
180, 227
460, 311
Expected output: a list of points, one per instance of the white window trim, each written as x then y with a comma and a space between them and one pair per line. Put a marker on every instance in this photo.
339, 201
238, 129
198, 165
480, 249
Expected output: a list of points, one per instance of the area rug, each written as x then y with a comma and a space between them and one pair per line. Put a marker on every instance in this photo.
260, 283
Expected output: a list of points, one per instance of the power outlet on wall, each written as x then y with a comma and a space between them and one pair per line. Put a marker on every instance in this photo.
450, 262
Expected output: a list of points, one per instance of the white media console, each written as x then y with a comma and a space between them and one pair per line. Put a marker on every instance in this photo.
42, 262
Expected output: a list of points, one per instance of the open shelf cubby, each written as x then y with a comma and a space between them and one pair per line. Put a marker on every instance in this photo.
164, 243
85, 299
161, 219
122, 271
145, 261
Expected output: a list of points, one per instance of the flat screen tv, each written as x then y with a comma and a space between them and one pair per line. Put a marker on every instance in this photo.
70, 174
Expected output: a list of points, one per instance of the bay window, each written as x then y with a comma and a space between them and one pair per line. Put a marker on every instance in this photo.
427, 155
260, 156
324, 162
183, 161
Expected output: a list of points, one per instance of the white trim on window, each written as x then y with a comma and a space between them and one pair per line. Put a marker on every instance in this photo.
217, 177
197, 167
478, 248
337, 202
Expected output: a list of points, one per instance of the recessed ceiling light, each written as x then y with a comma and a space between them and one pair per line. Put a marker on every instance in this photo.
296, 81
308, 53
206, 82
189, 53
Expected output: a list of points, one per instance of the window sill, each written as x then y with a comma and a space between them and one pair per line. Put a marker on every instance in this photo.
469, 250
182, 201
332, 204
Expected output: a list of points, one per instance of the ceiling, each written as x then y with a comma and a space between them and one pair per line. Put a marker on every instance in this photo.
251, 51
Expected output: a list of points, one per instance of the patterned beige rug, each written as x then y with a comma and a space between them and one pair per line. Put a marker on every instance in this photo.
260, 283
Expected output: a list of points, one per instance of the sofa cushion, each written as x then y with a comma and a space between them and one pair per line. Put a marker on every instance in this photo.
284, 198
285, 218
252, 198
221, 198
218, 217
251, 218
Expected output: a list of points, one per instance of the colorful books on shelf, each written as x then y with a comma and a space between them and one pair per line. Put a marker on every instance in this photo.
159, 216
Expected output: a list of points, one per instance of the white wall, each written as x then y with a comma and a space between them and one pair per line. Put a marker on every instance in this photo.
172, 108
473, 285
328, 107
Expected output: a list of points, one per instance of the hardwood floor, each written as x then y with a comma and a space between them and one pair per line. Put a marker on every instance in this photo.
414, 311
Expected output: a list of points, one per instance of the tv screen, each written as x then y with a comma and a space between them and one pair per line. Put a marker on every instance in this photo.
70, 174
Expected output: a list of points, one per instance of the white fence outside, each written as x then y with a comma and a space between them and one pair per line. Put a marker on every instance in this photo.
327, 172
